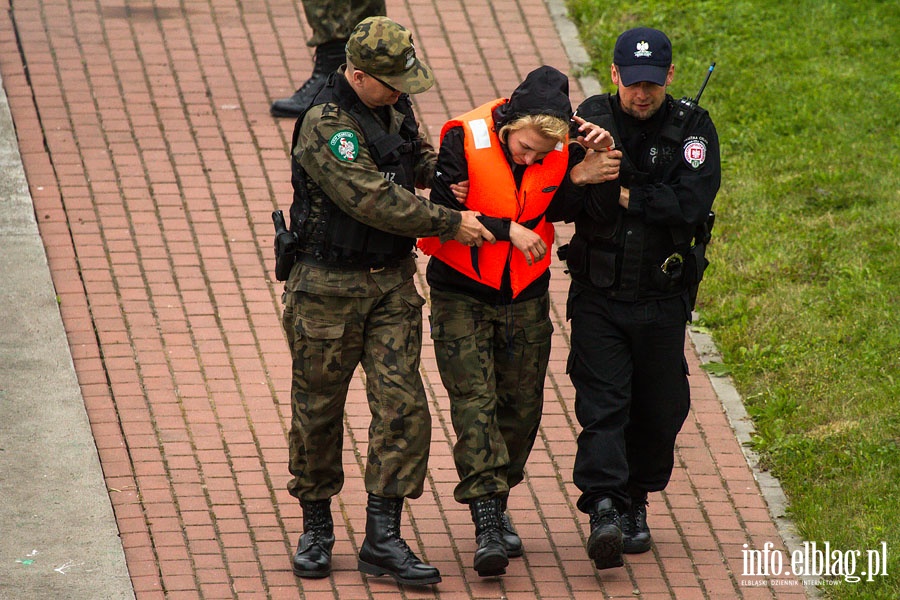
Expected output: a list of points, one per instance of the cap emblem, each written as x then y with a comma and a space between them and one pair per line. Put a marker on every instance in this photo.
642, 50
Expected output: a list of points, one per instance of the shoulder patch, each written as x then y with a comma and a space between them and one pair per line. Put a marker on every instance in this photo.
695, 151
345, 145
330, 111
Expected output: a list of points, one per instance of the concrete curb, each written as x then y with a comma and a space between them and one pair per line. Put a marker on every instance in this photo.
742, 426
60, 538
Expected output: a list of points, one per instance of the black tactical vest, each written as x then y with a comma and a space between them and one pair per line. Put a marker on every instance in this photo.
328, 235
613, 256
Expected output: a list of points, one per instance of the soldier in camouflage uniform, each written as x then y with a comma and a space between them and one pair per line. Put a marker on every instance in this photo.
331, 22
350, 298
490, 312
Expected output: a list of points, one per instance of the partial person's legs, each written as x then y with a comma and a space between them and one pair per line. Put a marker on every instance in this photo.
331, 22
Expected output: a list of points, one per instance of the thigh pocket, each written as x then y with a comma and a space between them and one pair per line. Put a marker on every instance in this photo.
539, 332
318, 349
535, 356
456, 352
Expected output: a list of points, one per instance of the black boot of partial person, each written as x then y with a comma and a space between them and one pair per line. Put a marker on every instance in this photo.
512, 540
491, 556
605, 544
384, 552
329, 56
313, 557
635, 532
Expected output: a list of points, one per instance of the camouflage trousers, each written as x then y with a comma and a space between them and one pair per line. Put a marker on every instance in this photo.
492, 361
334, 322
333, 20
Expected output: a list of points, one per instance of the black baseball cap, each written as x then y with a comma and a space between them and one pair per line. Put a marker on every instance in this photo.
643, 54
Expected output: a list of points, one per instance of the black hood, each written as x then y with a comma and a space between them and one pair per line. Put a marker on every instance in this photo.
545, 91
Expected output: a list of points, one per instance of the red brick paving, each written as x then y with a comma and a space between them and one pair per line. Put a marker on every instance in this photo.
154, 167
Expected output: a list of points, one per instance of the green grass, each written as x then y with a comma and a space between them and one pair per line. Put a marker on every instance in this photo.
802, 296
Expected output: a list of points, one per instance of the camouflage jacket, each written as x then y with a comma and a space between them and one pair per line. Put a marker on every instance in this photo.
332, 151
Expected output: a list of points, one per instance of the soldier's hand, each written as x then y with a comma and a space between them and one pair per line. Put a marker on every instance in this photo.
471, 232
527, 242
595, 137
597, 167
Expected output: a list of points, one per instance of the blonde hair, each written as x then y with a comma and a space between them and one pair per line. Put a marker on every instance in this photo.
548, 126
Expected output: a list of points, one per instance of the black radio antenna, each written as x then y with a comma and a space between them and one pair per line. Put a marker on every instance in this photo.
705, 81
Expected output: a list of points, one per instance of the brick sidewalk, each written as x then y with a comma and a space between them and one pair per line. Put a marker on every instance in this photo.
154, 167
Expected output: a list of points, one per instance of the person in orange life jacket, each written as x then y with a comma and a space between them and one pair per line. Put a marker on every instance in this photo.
490, 305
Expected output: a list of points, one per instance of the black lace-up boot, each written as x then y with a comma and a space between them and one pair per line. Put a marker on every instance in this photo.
491, 557
635, 532
384, 552
510, 537
329, 56
313, 557
605, 544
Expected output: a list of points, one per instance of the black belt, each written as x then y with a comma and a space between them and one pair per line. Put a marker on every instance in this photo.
309, 259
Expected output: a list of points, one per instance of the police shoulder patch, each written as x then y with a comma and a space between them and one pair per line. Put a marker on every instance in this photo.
695, 151
345, 145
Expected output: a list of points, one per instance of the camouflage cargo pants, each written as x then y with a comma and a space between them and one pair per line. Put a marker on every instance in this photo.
329, 336
492, 361
333, 20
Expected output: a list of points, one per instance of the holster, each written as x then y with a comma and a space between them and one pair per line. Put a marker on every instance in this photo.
286, 247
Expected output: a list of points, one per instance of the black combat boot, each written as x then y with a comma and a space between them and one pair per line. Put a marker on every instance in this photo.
510, 537
605, 544
384, 552
329, 56
635, 532
313, 557
491, 557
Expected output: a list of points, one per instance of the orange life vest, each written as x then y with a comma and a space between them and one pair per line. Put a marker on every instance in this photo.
492, 191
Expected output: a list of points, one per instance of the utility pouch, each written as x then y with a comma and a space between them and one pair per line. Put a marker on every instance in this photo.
601, 267
588, 263
574, 255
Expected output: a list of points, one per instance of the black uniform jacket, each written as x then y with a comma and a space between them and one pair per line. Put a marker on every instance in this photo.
672, 185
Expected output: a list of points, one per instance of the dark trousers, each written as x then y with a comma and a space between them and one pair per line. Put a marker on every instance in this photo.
631, 392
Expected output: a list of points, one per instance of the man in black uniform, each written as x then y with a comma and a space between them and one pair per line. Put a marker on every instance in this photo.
634, 262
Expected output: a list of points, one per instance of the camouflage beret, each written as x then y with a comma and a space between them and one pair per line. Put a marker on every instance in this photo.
380, 47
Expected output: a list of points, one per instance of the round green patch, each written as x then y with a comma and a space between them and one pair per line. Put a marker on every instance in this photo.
345, 145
